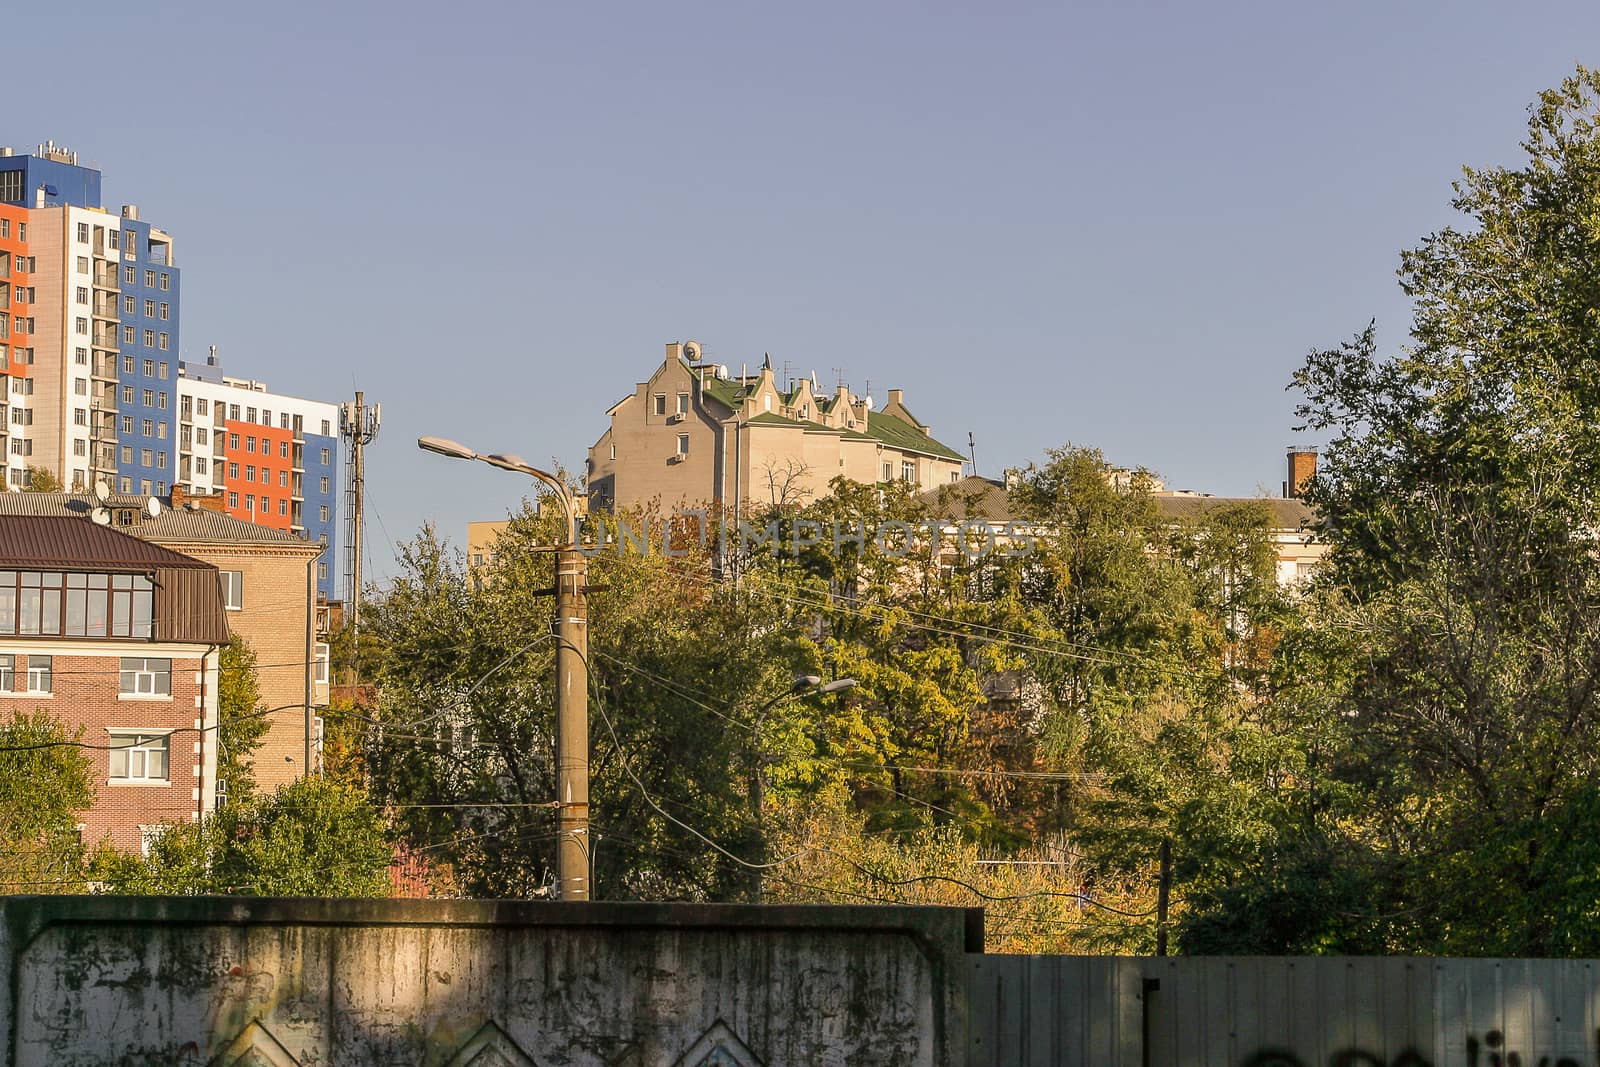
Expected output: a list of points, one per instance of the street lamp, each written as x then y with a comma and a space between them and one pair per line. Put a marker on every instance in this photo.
572, 674
804, 685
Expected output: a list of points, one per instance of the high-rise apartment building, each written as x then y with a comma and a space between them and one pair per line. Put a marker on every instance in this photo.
91, 360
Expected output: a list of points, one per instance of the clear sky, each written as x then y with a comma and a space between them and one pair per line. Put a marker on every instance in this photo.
1119, 224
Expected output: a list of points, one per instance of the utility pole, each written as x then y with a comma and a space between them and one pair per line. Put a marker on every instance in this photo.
358, 424
572, 721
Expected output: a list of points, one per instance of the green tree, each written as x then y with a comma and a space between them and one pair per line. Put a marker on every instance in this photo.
1459, 626
241, 723
309, 838
42, 480
44, 784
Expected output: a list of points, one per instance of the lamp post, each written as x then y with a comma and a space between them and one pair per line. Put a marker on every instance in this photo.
804, 684
572, 675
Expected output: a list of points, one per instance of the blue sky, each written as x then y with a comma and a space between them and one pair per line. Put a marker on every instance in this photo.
1115, 224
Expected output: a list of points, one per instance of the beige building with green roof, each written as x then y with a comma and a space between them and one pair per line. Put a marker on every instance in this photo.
692, 434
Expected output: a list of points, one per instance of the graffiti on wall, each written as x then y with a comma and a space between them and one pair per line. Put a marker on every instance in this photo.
1489, 1051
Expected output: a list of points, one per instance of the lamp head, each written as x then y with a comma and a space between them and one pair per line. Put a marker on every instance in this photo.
446, 447
802, 682
838, 684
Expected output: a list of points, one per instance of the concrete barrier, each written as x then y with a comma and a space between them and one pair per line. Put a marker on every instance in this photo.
239, 981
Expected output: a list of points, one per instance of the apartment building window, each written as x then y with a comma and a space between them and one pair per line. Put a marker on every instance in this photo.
125, 485
130, 305
283, 449
144, 487
149, 309
127, 394
283, 421
145, 677
249, 502
908, 470
8, 671
283, 507
80, 387
145, 457
127, 424
127, 454
324, 457
130, 336
149, 338
322, 571
683, 403
149, 398
200, 465
233, 442
683, 444
161, 400
5, 227
147, 427
165, 279
321, 660
283, 479
149, 368
80, 417
322, 513
233, 589
111, 240
233, 470
233, 500
249, 414
164, 341
233, 412
327, 428
139, 757
83, 233
661, 403
40, 678
161, 431
80, 356
200, 434
249, 474
127, 364
81, 296
322, 485
266, 418
80, 325
130, 276
249, 444
201, 404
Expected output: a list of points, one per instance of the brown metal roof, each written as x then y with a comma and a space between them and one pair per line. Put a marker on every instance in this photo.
177, 525
54, 542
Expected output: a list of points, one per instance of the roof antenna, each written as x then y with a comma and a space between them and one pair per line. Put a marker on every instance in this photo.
972, 450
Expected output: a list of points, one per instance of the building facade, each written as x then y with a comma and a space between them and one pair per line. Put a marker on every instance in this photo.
694, 434
269, 598
119, 639
92, 373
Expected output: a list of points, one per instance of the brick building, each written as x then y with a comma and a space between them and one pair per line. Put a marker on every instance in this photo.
269, 582
119, 639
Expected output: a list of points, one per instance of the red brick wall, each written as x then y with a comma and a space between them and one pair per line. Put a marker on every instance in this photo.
85, 695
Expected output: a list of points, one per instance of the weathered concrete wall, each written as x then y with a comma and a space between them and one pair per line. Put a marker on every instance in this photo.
217, 981
1043, 1011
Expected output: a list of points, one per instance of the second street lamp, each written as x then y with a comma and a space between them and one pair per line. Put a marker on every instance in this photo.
572, 675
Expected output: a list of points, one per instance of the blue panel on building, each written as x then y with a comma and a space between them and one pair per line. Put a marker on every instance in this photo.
73, 185
321, 499
147, 430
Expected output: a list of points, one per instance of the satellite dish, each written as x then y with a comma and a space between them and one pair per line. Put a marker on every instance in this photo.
102, 491
152, 507
101, 516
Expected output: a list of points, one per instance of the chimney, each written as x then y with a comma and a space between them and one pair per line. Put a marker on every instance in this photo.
896, 397
1302, 468
175, 501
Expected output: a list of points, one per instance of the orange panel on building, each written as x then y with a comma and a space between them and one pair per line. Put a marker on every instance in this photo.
261, 491
17, 280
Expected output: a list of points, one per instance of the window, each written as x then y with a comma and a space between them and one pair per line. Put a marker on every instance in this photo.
82, 295
327, 428
161, 431
234, 589
130, 305
249, 474
161, 370
165, 341
149, 338
146, 677
127, 424
80, 356
83, 233
322, 485
283, 449
148, 427
888, 472
139, 757
233, 500
323, 513
249, 414
233, 442
613, 451
201, 404
80, 325
661, 403
130, 276
161, 400
8, 673
908, 470
249, 444
149, 279
233, 412
683, 444
324, 457
149, 835
146, 457
80, 387
80, 417
283, 479
322, 571
130, 336
127, 363
283, 507
200, 464
683, 403
127, 394
149, 309
165, 279
233, 470
149, 398
39, 675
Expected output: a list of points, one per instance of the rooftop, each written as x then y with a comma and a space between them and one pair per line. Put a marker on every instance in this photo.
186, 525
37, 541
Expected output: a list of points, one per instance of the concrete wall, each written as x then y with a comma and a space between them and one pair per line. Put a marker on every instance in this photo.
202, 981
1035, 1011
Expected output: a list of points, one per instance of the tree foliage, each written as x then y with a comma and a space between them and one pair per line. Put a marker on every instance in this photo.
44, 785
241, 719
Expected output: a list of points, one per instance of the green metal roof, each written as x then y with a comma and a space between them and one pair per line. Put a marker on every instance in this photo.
902, 435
